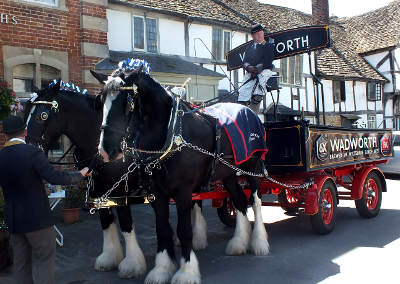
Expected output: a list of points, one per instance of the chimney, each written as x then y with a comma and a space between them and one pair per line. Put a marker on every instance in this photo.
320, 12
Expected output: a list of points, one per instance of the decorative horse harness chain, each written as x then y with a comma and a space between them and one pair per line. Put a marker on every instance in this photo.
173, 145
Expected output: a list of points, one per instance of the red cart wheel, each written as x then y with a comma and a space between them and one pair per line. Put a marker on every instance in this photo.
227, 213
288, 197
324, 221
370, 203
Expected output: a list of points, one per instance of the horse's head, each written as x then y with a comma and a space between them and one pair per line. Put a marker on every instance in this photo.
40, 114
116, 108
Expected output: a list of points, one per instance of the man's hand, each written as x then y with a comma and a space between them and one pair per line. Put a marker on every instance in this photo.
85, 172
252, 70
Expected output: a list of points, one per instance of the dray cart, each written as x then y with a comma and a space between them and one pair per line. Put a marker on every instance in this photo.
306, 165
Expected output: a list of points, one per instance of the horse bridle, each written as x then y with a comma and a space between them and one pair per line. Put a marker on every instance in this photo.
130, 106
44, 117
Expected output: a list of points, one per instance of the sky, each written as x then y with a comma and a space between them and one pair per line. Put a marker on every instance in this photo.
340, 8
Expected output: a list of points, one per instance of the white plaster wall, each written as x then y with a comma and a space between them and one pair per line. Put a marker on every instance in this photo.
196, 46
172, 36
379, 121
303, 101
374, 59
238, 38
328, 95
285, 96
224, 84
310, 95
119, 33
389, 108
349, 103
397, 56
360, 90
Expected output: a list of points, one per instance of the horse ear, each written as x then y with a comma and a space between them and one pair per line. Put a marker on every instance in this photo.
54, 89
102, 78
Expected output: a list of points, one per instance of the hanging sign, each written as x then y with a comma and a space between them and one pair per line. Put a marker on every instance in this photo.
287, 43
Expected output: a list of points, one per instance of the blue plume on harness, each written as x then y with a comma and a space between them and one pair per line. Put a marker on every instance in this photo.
68, 87
134, 64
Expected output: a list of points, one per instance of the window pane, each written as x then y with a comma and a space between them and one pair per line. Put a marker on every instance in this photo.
217, 43
23, 78
299, 69
48, 74
138, 32
22, 85
227, 42
284, 69
336, 91
372, 91
151, 33
292, 63
371, 121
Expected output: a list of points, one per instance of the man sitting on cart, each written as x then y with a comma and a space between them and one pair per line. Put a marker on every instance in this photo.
257, 62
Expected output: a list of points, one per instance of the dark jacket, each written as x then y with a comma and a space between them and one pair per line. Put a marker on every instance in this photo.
22, 168
260, 57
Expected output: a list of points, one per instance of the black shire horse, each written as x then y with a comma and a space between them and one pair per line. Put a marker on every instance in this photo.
79, 118
145, 127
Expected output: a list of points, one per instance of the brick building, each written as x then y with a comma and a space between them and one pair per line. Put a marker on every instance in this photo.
45, 39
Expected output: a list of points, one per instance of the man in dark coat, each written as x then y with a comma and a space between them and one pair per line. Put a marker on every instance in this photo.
28, 215
257, 62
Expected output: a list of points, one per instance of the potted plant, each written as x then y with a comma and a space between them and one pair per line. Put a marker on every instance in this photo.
74, 200
9, 103
5, 249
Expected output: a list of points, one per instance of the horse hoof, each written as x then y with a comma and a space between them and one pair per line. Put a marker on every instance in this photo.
106, 262
187, 277
163, 270
236, 246
131, 267
189, 272
259, 246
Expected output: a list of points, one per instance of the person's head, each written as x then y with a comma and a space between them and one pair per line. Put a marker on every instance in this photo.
14, 127
257, 33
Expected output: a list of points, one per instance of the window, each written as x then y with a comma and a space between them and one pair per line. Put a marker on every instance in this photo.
292, 70
221, 43
145, 34
227, 42
46, 2
25, 78
371, 120
151, 32
374, 91
339, 91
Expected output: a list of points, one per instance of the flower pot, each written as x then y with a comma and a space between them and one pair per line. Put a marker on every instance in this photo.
5, 252
71, 215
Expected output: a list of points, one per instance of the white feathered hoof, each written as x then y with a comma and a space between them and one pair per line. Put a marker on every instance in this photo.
236, 246
106, 262
163, 270
132, 267
259, 245
189, 272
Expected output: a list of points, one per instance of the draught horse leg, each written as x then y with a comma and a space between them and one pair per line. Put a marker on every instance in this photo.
112, 254
134, 263
259, 239
165, 262
189, 272
199, 227
240, 240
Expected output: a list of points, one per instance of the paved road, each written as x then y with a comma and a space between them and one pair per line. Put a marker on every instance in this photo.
357, 251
